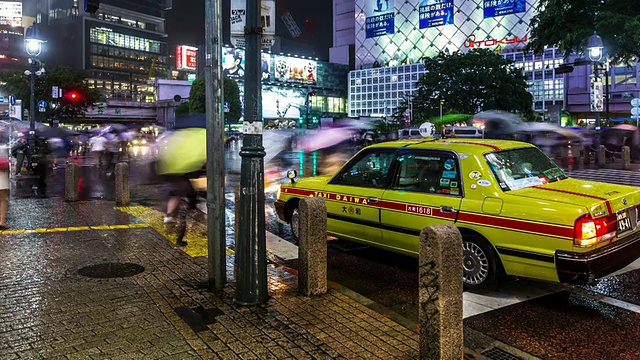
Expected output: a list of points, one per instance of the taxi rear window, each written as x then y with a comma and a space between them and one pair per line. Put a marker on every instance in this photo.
521, 168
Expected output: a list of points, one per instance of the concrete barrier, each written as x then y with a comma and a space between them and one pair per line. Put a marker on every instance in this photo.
440, 293
626, 158
71, 182
602, 156
312, 247
122, 187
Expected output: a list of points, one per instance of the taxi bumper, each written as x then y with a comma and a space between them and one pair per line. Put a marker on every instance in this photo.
583, 268
279, 205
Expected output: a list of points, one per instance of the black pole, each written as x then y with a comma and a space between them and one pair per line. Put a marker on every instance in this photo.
32, 110
607, 89
595, 79
216, 235
251, 249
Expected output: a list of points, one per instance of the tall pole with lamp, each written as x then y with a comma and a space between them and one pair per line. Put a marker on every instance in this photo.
33, 46
595, 48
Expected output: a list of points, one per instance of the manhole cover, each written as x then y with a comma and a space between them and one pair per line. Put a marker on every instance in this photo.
111, 270
499, 354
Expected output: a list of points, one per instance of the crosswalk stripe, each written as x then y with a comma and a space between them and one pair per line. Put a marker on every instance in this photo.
622, 177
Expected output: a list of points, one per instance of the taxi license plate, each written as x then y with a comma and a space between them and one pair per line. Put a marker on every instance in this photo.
625, 222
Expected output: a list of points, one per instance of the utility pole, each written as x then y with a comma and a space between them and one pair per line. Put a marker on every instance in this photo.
216, 235
251, 251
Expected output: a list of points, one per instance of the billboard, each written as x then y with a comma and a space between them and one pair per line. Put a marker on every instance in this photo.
238, 20
233, 64
435, 13
186, 57
288, 69
11, 13
380, 17
493, 8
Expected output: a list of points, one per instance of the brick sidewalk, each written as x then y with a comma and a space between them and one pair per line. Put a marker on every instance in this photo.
50, 310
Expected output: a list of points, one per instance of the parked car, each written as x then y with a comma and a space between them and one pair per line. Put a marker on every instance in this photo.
518, 212
463, 132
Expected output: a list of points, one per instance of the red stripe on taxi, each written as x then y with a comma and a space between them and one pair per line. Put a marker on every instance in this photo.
477, 143
479, 219
606, 201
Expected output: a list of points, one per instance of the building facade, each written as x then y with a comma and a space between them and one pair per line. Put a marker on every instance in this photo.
122, 46
12, 53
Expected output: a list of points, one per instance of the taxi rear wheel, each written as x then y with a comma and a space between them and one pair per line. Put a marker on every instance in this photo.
294, 222
480, 268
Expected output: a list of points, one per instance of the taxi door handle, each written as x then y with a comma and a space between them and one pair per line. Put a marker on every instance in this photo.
373, 200
447, 209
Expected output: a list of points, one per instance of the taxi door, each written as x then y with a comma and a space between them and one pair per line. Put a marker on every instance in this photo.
353, 196
425, 190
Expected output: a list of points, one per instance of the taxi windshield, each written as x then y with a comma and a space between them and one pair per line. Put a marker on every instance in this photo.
521, 168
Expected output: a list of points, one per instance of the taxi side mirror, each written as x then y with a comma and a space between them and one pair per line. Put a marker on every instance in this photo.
291, 175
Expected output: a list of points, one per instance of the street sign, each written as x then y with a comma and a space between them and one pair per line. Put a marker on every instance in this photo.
12, 100
635, 111
635, 102
42, 104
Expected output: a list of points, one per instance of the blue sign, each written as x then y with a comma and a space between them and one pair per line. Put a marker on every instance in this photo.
12, 100
1, 99
226, 105
435, 13
493, 8
380, 18
42, 104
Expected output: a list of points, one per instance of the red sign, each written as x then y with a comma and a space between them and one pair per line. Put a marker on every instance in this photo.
471, 42
186, 57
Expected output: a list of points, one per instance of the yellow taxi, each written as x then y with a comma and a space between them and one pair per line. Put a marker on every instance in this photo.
518, 212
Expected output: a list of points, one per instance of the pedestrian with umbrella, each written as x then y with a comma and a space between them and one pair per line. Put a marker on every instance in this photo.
181, 159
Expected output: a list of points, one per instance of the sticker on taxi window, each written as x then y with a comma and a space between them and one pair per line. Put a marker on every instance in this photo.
449, 174
475, 175
484, 182
454, 184
444, 182
449, 164
455, 191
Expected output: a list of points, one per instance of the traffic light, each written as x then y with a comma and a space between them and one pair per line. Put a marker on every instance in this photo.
73, 95
312, 93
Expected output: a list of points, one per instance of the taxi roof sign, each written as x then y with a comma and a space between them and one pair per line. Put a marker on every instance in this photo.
427, 130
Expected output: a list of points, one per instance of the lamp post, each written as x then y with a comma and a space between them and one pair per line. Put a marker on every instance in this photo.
441, 104
33, 46
595, 48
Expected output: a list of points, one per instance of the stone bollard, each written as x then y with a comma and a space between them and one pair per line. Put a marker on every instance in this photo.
586, 155
626, 158
122, 186
312, 247
440, 293
602, 156
71, 182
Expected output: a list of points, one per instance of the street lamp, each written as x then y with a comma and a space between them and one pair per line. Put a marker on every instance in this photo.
33, 46
595, 49
441, 104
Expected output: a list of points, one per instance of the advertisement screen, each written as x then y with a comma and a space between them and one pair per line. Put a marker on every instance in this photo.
11, 13
380, 17
493, 8
186, 57
287, 69
435, 13
233, 64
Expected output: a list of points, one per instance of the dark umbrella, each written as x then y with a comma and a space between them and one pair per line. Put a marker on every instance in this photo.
196, 120
54, 132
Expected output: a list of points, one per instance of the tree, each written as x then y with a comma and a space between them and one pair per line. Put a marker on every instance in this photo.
467, 83
568, 24
197, 98
67, 79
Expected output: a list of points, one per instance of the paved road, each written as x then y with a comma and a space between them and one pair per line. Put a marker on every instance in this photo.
613, 176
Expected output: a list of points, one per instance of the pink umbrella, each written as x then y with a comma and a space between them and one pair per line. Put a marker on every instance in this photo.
324, 138
626, 127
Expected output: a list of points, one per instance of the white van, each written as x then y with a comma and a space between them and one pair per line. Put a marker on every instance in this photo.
413, 133
463, 132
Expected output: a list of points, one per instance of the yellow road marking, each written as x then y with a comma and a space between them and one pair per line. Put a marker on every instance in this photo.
196, 234
72, 228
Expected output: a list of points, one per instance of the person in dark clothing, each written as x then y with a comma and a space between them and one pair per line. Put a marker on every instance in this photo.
21, 150
43, 157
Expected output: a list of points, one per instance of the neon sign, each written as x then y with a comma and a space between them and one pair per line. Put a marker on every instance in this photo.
470, 42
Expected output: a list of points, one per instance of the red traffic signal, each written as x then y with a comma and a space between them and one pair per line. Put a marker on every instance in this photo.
73, 95
312, 93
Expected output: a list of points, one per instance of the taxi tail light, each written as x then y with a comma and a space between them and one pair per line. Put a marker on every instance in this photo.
589, 231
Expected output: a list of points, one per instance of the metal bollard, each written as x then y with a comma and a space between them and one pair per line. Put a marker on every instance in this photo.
312, 247
586, 155
71, 183
122, 186
440, 293
602, 156
626, 158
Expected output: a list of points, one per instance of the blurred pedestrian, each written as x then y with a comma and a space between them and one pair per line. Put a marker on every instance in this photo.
43, 158
4, 181
98, 145
21, 150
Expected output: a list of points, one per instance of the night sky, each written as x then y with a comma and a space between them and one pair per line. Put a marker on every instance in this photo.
185, 25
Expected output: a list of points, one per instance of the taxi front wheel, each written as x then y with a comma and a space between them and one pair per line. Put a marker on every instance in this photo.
479, 265
294, 222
